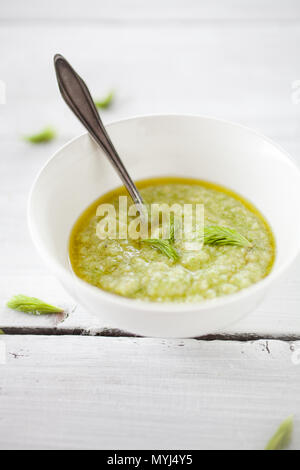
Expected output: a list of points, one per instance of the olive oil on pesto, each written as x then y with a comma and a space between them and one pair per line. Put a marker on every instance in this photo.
135, 270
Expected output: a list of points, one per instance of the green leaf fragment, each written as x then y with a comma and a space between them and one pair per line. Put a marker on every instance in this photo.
172, 229
46, 135
2, 332
105, 102
282, 437
164, 246
215, 235
31, 305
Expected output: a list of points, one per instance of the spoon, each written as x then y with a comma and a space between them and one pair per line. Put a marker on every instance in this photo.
77, 96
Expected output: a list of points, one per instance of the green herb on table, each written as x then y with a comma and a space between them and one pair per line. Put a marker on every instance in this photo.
31, 305
2, 332
165, 246
215, 235
282, 436
105, 102
46, 135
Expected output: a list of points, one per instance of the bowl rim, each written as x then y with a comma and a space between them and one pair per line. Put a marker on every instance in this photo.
152, 306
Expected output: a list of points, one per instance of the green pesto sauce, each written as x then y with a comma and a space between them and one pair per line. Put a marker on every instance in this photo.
135, 270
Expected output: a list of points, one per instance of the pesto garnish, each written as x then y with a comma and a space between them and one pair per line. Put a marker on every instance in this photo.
220, 236
282, 437
105, 102
165, 246
31, 305
46, 135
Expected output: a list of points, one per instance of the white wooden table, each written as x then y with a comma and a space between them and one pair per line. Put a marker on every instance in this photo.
78, 384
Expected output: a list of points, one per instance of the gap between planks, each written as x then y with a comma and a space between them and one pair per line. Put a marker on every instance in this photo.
114, 333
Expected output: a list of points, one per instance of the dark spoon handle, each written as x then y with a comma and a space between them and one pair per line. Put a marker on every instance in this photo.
77, 96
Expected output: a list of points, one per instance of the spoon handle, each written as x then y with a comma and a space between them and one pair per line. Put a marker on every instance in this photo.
77, 96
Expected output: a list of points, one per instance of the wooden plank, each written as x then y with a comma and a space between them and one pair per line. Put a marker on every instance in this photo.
156, 10
105, 393
242, 73
277, 317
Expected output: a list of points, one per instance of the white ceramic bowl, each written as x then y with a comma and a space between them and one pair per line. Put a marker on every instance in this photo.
188, 146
